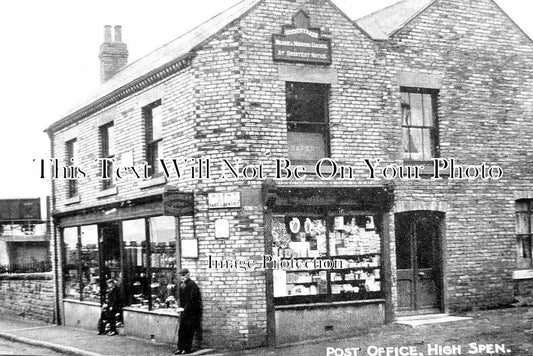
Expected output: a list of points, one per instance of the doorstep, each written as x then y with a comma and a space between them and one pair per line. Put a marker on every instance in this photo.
426, 319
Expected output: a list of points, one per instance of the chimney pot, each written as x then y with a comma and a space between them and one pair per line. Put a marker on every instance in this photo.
107, 33
118, 33
113, 54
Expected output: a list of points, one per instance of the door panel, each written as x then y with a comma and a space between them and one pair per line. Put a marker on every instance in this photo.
418, 260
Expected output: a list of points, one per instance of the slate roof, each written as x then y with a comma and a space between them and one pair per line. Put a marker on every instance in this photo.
163, 55
381, 24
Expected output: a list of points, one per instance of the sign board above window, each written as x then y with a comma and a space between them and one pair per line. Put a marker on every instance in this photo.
224, 200
301, 43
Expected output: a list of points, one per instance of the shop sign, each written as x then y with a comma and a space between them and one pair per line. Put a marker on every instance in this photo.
177, 203
300, 43
224, 200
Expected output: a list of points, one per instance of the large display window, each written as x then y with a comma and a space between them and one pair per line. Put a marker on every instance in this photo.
139, 254
325, 257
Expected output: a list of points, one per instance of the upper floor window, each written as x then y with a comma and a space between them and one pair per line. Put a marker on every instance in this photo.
72, 152
107, 141
307, 121
524, 232
419, 124
153, 116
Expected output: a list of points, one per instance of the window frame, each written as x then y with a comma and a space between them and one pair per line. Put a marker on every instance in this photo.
150, 142
71, 148
524, 258
105, 144
433, 130
321, 127
330, 297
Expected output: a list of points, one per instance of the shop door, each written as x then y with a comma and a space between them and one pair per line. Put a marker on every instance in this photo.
418, 261
110, 257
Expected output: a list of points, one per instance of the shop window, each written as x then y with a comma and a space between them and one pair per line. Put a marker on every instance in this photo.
144, 264
307, 121
137, 289
153, 116
71, 272
524, 232
163, 261
326, 258
89, 259
107, 144
72, 151
419, 123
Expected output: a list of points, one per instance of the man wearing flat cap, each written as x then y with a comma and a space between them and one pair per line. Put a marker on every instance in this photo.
191, 313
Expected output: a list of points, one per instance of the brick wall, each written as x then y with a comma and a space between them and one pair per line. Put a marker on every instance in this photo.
28, 296
485, 106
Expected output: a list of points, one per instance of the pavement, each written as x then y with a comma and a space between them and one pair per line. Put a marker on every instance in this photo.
495, 332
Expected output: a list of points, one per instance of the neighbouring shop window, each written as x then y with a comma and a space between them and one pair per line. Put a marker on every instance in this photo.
153, 116
524, 232
163, 261
89, 259
307, 121
419, 123
72, 151
326, 258
107, 144
71, 272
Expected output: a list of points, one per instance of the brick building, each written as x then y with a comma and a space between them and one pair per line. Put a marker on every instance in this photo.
417, 84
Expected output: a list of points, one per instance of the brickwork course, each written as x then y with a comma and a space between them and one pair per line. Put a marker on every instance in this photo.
229, 103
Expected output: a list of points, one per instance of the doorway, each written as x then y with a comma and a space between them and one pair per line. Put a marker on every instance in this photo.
419, 261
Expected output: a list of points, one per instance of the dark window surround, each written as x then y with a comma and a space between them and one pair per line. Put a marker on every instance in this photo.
105, 143
153, 146
307, 110
71, 148
434, 131
524, 239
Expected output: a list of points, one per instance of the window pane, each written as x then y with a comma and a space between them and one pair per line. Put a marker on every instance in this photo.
71, 262
417, 115
428, 146
299, 236
157, 123
428, 110
136, 288
163, 261
522, 223
416, 150
89, 263
110, 140
306, 146
526, 246
306, 102
406, 110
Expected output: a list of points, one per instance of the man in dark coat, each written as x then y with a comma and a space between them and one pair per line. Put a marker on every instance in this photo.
191, 313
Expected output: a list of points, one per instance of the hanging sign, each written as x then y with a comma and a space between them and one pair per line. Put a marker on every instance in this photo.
300, 43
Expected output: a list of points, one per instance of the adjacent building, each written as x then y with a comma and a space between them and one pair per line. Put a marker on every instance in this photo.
413, 126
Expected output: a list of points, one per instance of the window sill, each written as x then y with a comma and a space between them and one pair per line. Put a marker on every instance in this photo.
74, 200
153, 181
107, 192
523, 274
165, 312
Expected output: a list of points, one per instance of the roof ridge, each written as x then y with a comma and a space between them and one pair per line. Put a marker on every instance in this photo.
183, 34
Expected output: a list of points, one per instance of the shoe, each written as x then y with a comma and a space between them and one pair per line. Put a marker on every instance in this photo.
112, 333
178, 352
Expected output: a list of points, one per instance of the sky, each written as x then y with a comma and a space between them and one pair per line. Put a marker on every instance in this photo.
49, 62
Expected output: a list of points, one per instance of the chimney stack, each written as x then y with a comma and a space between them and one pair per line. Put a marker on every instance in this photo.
113, 54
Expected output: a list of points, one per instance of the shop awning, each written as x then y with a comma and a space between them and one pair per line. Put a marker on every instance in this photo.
171, 202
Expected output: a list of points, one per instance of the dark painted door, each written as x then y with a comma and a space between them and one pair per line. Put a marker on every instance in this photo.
418, 261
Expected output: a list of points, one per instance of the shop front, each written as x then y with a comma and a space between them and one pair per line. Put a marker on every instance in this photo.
136, 243
332, 271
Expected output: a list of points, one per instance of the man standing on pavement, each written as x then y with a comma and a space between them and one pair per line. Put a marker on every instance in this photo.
190, 306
